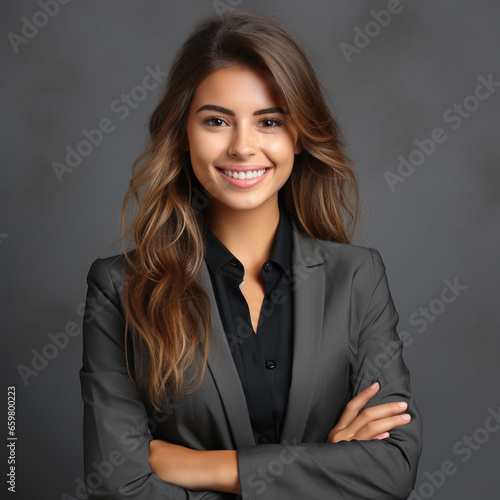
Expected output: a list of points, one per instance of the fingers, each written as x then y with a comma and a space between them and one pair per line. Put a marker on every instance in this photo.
372, 423
355, 404
382, 436
381, 427
370, 416
375, 429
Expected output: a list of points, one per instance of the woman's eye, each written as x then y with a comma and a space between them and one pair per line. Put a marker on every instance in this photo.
274, 121
214, 121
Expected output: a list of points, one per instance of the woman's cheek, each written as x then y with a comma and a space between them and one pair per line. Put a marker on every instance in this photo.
280, 150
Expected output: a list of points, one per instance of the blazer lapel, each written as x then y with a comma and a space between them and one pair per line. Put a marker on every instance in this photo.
308, 288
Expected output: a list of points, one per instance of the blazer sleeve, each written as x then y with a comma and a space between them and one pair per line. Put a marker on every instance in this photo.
375, 469
115, 425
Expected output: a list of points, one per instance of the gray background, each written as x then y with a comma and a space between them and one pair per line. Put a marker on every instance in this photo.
440, 224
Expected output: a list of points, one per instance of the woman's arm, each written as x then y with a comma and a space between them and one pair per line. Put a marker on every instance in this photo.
116, 434
195, 469
218, 470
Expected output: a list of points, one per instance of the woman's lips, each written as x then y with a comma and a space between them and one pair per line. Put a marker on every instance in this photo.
244, 183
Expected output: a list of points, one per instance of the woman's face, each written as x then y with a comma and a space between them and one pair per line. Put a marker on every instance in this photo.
237, 125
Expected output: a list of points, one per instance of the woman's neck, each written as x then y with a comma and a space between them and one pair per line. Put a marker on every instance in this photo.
248, 234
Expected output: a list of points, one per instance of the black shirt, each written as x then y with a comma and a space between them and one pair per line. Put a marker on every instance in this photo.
263, 360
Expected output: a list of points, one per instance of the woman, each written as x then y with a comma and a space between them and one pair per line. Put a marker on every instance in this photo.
244, 346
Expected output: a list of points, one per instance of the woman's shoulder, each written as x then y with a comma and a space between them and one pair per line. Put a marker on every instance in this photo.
337, 255
114, 262
109, 272
355, 265
359, 254
361, 266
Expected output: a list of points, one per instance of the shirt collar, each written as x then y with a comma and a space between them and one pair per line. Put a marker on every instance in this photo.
218, 256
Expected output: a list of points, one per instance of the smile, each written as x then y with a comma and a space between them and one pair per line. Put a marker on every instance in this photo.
245, 175
244, 179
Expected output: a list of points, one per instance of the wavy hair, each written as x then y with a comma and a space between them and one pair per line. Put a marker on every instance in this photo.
168, 317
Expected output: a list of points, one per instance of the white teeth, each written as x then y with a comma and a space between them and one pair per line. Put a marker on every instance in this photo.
245, 175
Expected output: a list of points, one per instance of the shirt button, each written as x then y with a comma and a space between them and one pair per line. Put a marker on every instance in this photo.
270, 363
263, 440
267, 266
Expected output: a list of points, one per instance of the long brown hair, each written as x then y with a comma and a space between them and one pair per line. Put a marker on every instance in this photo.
168, 316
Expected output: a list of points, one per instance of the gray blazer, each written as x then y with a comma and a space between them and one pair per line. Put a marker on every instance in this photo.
344, 340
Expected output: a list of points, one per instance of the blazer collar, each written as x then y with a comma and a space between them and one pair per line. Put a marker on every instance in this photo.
308, 288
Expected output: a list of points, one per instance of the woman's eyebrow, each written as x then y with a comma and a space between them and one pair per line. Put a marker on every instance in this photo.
226, 111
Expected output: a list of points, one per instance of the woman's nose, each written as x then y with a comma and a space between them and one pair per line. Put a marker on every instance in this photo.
243, 142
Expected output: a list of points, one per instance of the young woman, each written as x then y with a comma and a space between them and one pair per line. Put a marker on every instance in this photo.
244, 348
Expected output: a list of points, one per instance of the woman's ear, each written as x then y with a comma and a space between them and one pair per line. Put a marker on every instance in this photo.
298, 147
185, 143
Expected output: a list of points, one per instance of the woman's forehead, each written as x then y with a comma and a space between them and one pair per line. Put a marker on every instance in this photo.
238, 86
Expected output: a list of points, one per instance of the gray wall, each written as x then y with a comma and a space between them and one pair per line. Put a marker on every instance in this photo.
436, 228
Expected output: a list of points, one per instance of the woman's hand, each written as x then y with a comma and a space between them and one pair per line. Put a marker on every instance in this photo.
372, 423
